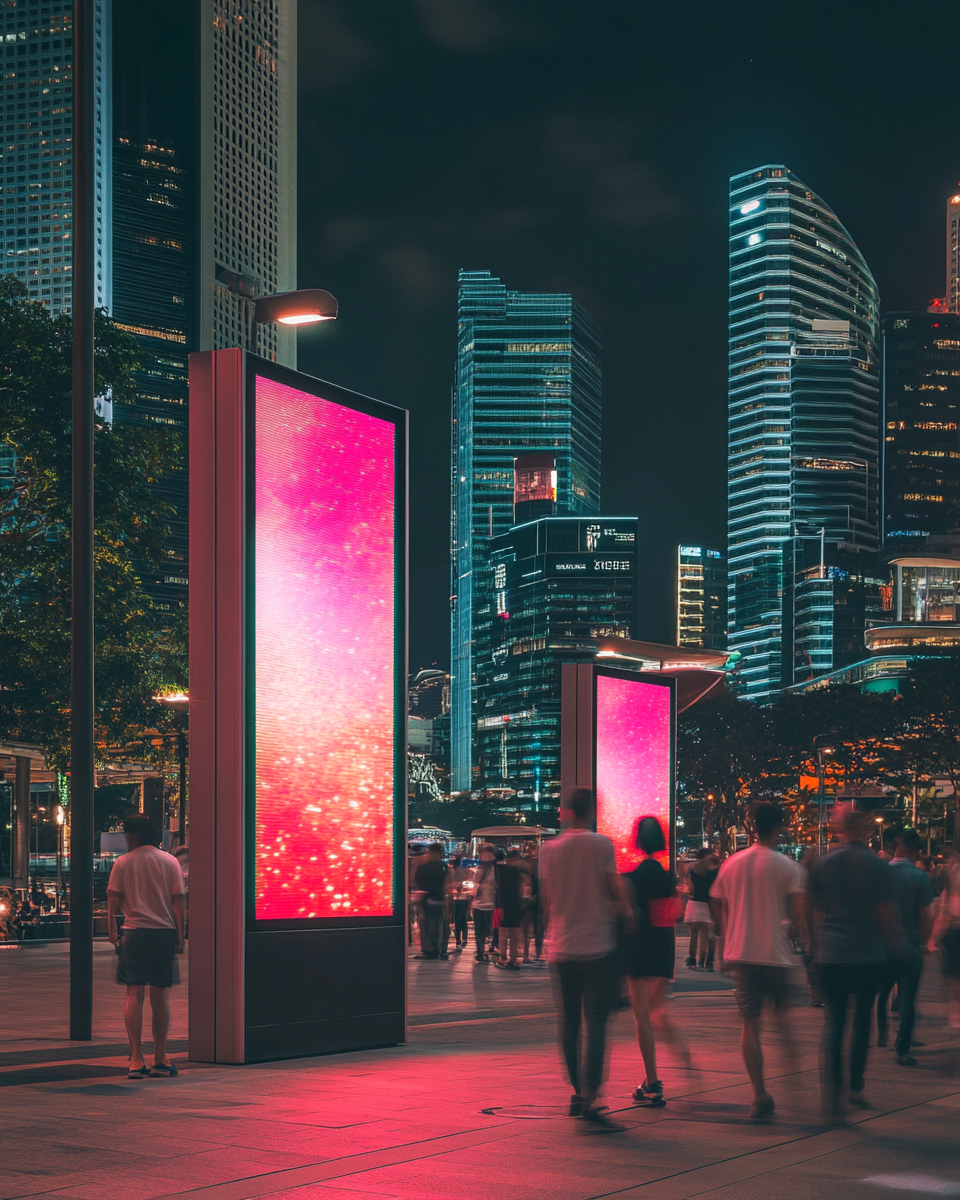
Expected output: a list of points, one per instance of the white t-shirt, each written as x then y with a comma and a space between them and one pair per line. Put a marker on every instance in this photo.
581, 918
147, 879
756, 884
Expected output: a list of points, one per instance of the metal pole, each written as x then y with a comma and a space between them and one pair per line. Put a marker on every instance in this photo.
81, 536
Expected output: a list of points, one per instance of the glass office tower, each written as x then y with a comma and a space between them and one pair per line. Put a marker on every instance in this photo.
527, 381
921, 446
803, 411
195, 177
559, 581
701, 598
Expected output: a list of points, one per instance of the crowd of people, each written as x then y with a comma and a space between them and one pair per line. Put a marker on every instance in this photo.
860, 922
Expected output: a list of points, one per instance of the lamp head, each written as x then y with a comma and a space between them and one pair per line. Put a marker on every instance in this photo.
302, 307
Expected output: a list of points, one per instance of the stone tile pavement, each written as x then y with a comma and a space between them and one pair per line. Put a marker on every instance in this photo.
473, 1107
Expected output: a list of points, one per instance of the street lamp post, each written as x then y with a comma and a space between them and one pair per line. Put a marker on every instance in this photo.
180, 702
81, 535
821, 791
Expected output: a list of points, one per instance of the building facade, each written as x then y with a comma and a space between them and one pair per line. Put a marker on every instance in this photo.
560, 583
804, 416
921, 417
195, 177
701, 598
527, 382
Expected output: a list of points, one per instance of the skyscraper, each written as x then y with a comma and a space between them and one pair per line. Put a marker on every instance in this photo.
560, 583
195, 187
803, 410
527, 381
921, 446
701, 598
952, 299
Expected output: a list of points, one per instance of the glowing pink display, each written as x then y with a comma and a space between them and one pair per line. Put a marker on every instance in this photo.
325, 659
634, 769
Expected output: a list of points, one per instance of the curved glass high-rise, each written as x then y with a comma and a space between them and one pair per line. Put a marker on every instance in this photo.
803, 432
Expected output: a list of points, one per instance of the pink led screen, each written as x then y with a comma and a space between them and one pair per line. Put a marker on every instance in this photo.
634, 769
324, 637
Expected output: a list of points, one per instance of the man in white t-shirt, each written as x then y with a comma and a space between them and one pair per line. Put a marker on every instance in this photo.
756, 900
146, 885
582, 895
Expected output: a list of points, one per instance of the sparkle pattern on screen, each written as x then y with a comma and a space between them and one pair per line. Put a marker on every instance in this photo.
325, 550
633, 762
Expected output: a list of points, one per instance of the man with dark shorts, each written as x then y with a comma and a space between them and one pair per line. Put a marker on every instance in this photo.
756, 897
146, 885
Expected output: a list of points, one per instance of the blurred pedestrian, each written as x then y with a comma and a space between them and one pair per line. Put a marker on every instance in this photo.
431, 877
854, 928
757, 897
913, 895
532, 911
146, 886
459, 878
947, 934
510, 891
649, 957
696, 915
484, 900
582, 897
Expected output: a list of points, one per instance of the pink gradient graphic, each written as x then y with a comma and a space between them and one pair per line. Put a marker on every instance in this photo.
325, 557
633, 762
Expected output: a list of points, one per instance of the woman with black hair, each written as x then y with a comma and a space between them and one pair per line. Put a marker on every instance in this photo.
650, 955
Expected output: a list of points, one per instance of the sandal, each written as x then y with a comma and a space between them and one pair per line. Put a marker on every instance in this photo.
139, 1073
164, 1070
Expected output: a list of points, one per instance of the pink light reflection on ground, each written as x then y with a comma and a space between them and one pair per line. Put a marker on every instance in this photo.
633, 762
325, 657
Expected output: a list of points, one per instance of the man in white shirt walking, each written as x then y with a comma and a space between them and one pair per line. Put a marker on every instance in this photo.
582, 895
146, 885
756, 898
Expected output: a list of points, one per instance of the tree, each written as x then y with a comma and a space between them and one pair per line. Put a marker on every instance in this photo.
139, 649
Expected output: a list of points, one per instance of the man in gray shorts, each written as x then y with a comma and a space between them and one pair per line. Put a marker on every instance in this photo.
756, 898
146, 885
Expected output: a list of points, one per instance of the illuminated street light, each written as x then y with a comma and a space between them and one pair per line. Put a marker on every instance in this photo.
180, 702
302, 307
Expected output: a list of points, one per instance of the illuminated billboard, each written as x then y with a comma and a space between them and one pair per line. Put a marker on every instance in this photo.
633, 757
325, 660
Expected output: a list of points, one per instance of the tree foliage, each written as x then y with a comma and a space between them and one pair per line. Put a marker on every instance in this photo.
139, 649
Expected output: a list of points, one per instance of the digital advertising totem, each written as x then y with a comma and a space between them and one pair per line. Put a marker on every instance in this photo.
618, 736
298, 583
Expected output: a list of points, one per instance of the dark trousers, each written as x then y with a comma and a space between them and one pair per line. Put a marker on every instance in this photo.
839, 982
905, 975
586, 990
460, 908
482, 925
434, 928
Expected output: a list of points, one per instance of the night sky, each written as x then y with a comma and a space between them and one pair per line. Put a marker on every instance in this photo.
584, 146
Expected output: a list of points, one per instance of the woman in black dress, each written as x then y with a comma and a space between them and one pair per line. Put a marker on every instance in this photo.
650, 956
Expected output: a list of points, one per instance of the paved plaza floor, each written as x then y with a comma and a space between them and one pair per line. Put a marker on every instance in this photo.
472, 1106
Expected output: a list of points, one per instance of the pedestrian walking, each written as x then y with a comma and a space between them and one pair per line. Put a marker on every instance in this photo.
484, 900
146, 886
649, 957
532, 911
459, 877
697, 915
582, 899
431, 878
913, 896
854, 929
947, 934
510, 891
757, 897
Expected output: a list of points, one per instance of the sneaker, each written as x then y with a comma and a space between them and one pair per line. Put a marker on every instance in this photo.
597, 1117
856, 1099
907, 1060
576, 1105
650, 1094
691, 963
